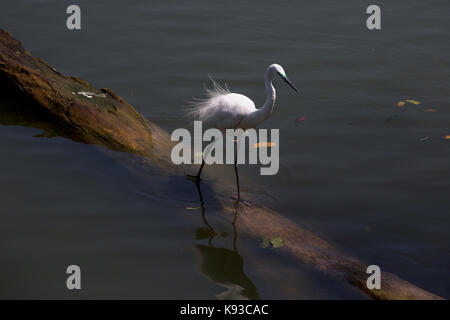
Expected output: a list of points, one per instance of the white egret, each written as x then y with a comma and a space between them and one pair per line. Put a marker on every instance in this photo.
223, 110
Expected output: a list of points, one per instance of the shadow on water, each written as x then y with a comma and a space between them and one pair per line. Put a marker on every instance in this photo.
223, 266
17, 108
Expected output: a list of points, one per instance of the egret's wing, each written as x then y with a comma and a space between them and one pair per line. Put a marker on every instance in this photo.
221, 109
204, 109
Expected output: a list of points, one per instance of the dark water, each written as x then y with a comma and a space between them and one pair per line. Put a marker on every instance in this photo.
355, 171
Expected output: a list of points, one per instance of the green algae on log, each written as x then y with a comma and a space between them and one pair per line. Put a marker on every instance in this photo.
102, 117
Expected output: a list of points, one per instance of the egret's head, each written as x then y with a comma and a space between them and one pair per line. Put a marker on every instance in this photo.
276, 68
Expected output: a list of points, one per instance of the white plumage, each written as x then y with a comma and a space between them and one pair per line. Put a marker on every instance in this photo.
223, 109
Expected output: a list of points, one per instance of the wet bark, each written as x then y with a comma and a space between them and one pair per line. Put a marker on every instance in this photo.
71, 107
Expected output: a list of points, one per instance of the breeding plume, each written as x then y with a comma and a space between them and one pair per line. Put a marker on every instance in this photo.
223, 110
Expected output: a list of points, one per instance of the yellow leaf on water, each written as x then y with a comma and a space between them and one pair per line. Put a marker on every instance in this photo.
413, 101
424, 138
264, 145
401, 104
447, 137
430, 110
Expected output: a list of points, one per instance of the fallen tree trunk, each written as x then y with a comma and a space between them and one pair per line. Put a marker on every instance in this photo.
76, 110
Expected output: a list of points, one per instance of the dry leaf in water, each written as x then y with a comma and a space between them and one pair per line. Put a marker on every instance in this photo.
413, 101
301, 119
401, 104
193, 208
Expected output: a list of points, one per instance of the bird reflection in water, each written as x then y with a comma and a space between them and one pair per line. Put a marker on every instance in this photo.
223, 266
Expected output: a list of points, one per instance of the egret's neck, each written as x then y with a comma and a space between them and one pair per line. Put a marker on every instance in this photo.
262, 114
270, 94
266, 110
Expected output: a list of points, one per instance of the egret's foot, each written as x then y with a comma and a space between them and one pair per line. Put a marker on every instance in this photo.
237, 201
196, 179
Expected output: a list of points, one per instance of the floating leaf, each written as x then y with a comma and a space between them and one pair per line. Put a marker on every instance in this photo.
193, 208
425, 138
277, 242
430, 110
265, 242
264, 145
401, 104
413, 101
301, 119
447, 137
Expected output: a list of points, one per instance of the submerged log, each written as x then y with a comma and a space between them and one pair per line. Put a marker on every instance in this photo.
73, 108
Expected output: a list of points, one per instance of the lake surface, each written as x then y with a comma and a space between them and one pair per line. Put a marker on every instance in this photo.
369, 177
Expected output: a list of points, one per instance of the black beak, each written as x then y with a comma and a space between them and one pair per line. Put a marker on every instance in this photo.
285, 78
290, 83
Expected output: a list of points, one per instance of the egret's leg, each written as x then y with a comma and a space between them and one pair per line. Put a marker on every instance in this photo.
202, 203
236, 169
199, 173
200, 170
197, 177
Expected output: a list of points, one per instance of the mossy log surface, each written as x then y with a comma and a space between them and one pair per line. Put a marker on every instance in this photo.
85, 114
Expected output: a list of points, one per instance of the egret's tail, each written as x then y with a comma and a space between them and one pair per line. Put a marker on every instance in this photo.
204, 109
